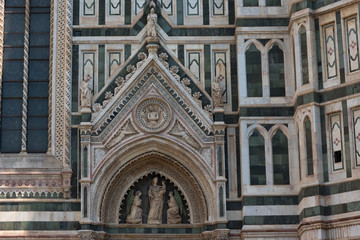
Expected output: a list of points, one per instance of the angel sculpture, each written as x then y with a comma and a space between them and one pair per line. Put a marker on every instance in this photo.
135, 214
173, 216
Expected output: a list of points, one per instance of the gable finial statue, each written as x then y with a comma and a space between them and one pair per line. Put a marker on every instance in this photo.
151, 24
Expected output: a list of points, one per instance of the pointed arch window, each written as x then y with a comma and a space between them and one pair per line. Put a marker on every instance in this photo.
280, 158
253, 72
308, 144
257, 159
276, 72
304, 55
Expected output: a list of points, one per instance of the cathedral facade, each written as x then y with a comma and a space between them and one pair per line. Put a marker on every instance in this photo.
180, 119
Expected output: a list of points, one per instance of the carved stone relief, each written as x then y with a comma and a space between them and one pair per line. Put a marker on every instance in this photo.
153, 115
125, 131
182, 134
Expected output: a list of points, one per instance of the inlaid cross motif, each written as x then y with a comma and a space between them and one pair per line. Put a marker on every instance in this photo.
331, 51
353, 44
337, 141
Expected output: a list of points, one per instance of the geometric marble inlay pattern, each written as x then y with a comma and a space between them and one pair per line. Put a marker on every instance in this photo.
353, 44
336, 140
356, 117
330, 51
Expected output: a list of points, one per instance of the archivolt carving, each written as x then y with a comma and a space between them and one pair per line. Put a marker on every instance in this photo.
118, 173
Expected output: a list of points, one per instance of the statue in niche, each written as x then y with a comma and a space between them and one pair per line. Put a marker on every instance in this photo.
135, 215
217, 91
85, 93
151, 23
173, 216
156, 198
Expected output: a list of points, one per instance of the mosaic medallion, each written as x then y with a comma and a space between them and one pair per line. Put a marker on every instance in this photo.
153, 115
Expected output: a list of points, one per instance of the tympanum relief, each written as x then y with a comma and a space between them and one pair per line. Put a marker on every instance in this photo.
153, 203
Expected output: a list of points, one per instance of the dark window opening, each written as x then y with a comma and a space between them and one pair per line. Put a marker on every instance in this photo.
337, 156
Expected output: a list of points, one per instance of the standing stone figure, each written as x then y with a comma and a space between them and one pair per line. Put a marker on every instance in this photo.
85, 93
173, 216
156, 198
217, 92
135, 215
151, 23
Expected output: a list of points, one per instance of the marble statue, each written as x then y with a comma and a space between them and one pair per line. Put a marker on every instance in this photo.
135, 215
156, 198
85, 93
217, 92
151, 23
173, 216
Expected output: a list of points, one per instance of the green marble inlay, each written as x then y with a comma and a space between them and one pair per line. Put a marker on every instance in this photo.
76, 12
330, 210
234, 224
233, 205
75, 80
207, 69
318, 53
234, 78
180, 12
39, 206
324, 143
206, 12
127, 51
101, 12
181, 54
75, 156
313, 4
128, 12
36, 225
340, 49
347, 138
101, 67
251, 3
262, 22
271, 220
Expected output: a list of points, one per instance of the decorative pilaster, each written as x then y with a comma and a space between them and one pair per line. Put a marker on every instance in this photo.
51, 53
63, 82
25, 77
2, 10
85, 132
